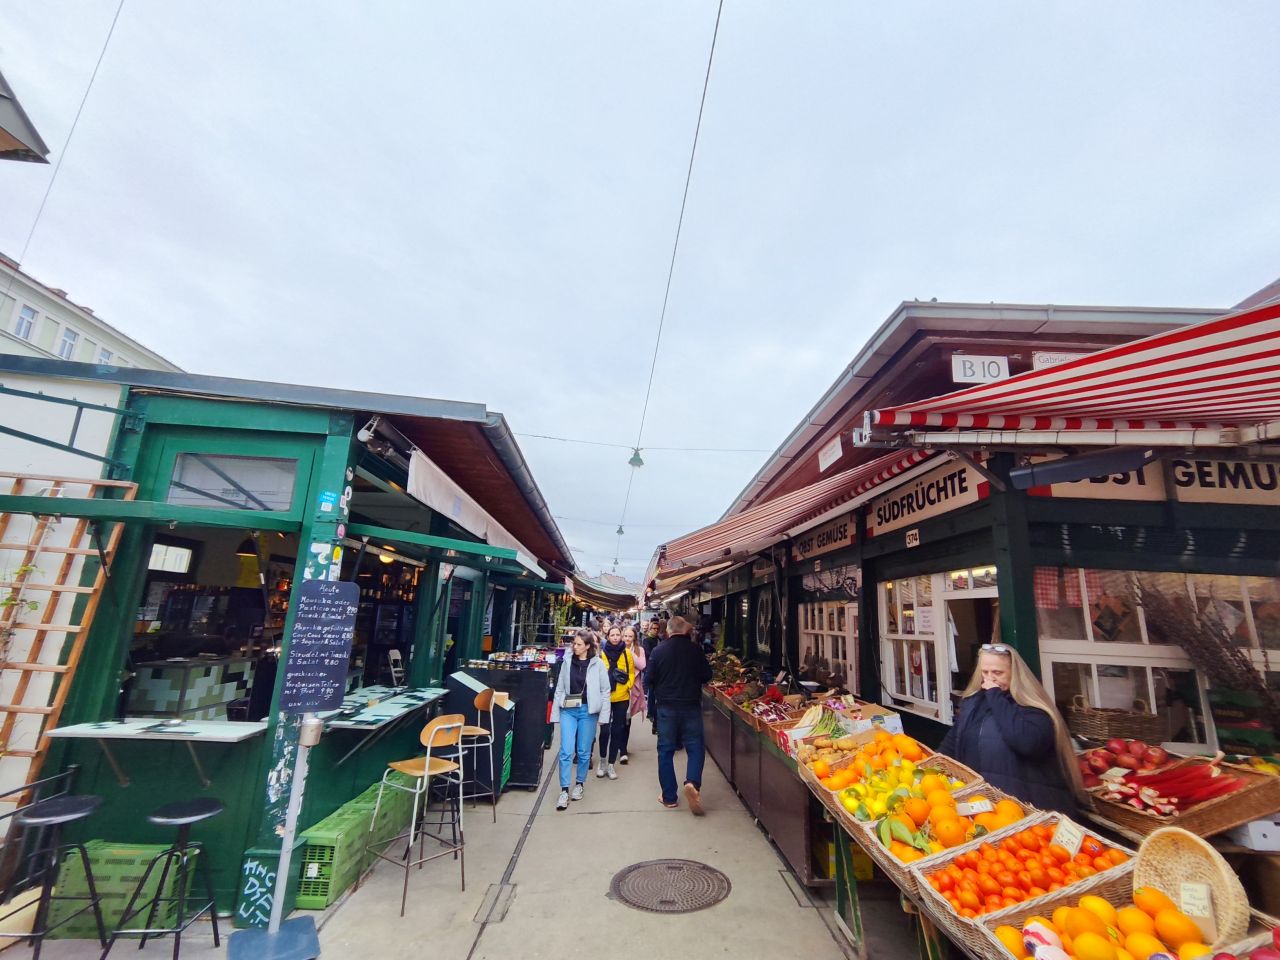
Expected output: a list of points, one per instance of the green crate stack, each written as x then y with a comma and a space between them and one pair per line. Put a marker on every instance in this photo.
333, 856
506, 761
117, 869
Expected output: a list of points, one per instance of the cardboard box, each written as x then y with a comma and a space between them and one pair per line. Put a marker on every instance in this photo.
1258, 835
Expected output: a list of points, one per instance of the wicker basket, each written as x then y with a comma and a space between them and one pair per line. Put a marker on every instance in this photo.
1259, 935
1103, 724
1171, 857
1115, 885
1258, 799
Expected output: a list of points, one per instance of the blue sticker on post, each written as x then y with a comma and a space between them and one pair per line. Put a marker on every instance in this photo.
328, 500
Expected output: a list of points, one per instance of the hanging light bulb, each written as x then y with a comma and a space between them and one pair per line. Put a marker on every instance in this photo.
619, 529
636, 460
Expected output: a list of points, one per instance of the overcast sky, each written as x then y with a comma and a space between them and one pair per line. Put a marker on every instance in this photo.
477, 201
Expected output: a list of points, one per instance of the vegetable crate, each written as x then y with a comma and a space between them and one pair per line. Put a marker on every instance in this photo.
117, 869
1257, 797
334, 855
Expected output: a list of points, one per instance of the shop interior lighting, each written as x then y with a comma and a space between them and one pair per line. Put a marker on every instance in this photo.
248, 546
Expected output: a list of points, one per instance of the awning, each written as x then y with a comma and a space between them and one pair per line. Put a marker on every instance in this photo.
1215, 383
674, 581
432, 486
602, 595
480, 556
18, 137
760, 527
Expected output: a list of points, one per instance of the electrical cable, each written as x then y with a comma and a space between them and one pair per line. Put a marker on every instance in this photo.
65, 147
624, 446
671, 268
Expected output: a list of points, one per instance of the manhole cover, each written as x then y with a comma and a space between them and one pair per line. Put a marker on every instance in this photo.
670, 886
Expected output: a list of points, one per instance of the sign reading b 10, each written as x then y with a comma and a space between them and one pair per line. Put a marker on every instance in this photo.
970, 369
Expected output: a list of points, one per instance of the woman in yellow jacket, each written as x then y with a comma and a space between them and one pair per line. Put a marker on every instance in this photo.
622, 677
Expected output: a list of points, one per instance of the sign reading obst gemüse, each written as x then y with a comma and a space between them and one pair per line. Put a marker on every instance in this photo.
946, 488
1194, 481
832, 535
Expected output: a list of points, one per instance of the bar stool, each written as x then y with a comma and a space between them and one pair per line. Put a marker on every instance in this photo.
51, 816
182, 814
478, 737
443, 761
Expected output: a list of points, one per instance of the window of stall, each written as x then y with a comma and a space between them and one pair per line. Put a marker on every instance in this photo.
828, 625
1100, 651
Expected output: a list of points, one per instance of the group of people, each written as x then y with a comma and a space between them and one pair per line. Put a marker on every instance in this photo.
609, 676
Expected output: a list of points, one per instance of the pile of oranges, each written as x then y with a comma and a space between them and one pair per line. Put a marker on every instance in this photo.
936, 825
1095, 930
1021, 867
884, 752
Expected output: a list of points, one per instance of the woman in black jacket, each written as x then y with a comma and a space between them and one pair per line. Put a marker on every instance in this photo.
1010, 732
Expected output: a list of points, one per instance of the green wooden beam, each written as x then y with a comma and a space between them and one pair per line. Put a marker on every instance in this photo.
431, 542
148, 511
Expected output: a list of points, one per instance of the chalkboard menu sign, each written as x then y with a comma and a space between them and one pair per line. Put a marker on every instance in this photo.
315, 670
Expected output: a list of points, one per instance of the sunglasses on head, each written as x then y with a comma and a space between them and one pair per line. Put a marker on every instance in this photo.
999, 648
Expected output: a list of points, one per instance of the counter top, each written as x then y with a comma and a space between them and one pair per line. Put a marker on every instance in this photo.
149, 728
390, 706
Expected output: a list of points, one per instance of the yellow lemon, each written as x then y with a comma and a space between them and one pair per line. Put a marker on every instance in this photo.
1100, 908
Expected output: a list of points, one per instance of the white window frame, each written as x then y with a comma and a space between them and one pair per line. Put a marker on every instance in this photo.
30, 322
69, 336
819, 633
1146, 655
932, 641
104, 355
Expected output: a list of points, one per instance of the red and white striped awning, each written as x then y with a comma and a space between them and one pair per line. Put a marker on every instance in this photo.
762, 526
1222, 374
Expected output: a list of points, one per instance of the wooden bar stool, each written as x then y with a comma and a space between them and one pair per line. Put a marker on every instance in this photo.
476, 738
49, 817
442, 762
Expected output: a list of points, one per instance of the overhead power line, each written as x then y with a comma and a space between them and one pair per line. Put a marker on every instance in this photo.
671, 269
627, 446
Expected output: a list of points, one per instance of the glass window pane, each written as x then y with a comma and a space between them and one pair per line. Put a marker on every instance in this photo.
241, 483
958, 579
1112, 606
915, 666
1071, 680
924, 590
899, 668
984, 577
1172, 586
1220, 600
171, 559
1123, 688
1264, 599
1180, 703
891, 612
1059, 606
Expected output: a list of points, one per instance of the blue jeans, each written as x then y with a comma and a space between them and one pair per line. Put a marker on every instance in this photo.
679, 724
577, 733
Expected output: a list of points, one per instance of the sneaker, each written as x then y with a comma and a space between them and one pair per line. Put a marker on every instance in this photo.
600, 769
623, 759
611, 773
563, 802
577, 792
694, 797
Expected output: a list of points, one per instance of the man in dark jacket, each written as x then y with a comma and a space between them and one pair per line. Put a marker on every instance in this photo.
676, 672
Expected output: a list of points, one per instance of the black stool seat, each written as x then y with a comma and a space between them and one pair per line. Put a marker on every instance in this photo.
184, 812
58, 810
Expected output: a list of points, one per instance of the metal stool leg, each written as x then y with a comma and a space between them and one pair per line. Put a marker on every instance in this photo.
93, 893
129, 910
160, 888
49, 876
184, 832
493, 783
202, 864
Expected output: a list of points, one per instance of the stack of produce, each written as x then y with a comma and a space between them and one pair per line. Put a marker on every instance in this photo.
925, 821
1174, 790
1151, 927
1020, 867
1122, 754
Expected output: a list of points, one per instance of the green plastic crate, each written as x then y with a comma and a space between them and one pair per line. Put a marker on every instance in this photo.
117, 870
506, 761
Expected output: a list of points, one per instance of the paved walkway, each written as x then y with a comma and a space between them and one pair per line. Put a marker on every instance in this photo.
556, 868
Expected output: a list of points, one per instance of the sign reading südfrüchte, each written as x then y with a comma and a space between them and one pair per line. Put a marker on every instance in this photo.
319, 650
939, 491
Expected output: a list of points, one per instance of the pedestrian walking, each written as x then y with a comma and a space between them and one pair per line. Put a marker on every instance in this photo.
637, 704
677, 671
654, 634
622, 677
580, 705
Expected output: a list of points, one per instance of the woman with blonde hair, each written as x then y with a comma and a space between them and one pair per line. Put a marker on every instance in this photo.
1010, 732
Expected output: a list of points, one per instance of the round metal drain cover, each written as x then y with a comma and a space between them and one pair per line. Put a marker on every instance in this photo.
670, 886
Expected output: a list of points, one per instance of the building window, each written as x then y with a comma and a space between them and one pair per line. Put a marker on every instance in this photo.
25, 323
1100, 651
240, 483
105, 355
67, 345
829, 642
169, 558
910, 634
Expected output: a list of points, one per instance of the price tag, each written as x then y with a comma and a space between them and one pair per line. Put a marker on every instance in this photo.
974, 807
1115, 773
1197, 903
1069, 835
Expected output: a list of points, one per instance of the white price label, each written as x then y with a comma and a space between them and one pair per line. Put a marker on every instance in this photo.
1197, 903
313, 870
973, 807
1069, 835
